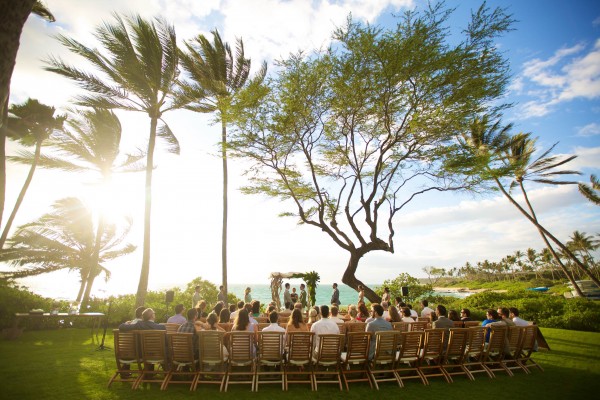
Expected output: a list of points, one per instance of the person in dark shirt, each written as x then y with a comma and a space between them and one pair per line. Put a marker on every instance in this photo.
147, 323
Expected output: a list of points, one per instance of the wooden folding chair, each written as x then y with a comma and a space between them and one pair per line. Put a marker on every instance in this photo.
182, 360
171, 327
127, 357
241, 362
513, 348
401, 326
408, 356
423, 319
213, 359
454, 356
154, 357
430, 362
527, 349
262, 325
383, 364
299, 358
418, 326
355, 361
327, 360
470, 324
493, 353
355, 327
474, 352
270, 355
226, 326
459, 324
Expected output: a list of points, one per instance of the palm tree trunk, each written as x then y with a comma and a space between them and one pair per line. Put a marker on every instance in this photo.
552, 251
224, 233
81, 287
140, 297
13, 15
13, 214
93, 268
547, 233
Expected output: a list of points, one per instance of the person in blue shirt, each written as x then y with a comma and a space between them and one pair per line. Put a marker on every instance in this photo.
491, 317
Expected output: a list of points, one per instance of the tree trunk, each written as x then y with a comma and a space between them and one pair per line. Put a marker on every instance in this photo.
93, 269
13, 15
351, 280
548, 234
224, 232
140, 297
13, 214
81, 288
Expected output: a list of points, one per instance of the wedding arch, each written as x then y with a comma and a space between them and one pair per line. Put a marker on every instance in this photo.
310, 279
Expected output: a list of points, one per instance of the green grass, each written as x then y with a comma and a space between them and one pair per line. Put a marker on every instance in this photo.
64, 364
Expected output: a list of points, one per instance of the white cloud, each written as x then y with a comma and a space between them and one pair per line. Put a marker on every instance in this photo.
565, 76
589, 130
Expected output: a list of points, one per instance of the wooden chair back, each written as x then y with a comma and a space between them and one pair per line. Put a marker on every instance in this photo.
401, 326
226, 326
171, 328
327, 360
459, 324
153, 355
355, 327
418, 326
212, 359
470, 324
126, 356
300, 347
183, 361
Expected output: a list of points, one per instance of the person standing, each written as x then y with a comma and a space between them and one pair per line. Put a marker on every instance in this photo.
287, 297
361, 294
247, 296
196, 297
294, 296
303, 296
221, 296
335, 296
386, 297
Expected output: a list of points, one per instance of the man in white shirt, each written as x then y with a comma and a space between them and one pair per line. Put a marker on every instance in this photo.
240, 305
514, 314
324, 326
178, 318
413, 313
334, 315
426, 311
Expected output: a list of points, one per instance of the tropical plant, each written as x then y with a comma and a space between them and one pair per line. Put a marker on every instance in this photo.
591, 192
14, 14
352, 135
139, 70
311, 279
415, 289
217, 78
65, 239
30, 123
91, 143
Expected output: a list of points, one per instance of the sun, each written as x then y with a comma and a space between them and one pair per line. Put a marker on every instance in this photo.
115, 200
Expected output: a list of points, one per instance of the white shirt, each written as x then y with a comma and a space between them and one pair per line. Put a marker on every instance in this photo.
337, 319
386, 315
324, 326
273, 327
425, 312
407, 319
413, 313
520, 322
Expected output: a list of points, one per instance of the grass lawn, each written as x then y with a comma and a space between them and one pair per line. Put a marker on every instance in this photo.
64, 364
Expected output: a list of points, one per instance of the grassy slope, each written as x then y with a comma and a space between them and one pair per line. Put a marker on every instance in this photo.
64, 364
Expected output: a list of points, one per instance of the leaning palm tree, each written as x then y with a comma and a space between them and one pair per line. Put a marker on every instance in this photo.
65, 239
90, 142
584, 245
217, 79
31, 123
14, 14
138, 66
591, 192
492, 154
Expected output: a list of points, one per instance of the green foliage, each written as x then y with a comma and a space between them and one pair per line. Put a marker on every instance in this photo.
311, 279
415, 289
18, 299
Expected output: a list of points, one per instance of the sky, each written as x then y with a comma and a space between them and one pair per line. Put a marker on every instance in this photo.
554, 53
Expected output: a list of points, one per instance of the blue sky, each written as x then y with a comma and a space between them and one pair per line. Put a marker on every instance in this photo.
555, 61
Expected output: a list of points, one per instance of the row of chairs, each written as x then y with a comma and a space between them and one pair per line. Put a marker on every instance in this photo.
265, 357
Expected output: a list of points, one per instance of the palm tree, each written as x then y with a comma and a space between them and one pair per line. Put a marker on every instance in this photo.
65, 239
493, 154
91, 142
217, 80
139, 66
584, 245
32, 124
590, 192
14, 14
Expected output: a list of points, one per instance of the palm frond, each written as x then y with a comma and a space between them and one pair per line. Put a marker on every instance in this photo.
165, 133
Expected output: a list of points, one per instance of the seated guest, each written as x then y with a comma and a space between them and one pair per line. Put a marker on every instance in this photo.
353, 314
491, 317
240, 305
218, 307
288, 311
248, 308
426, 311
413, 313
504, 314
377, 324
386, 308
255, 308
324, 326
514, 314
334, 315
453, 315
232, 308
202, 309
190, 327
312, 316
406, 315
393, 315
224, 316
138, 315
465, 314
442, 320
212, 323
242, 322
363, 312
178, 318
296, 322
147, 323
273, 325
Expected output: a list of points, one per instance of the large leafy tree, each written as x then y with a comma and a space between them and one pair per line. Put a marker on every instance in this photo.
31, 123
13, 15
65, 238
352, 135
217, 78
91, 143
136, 70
